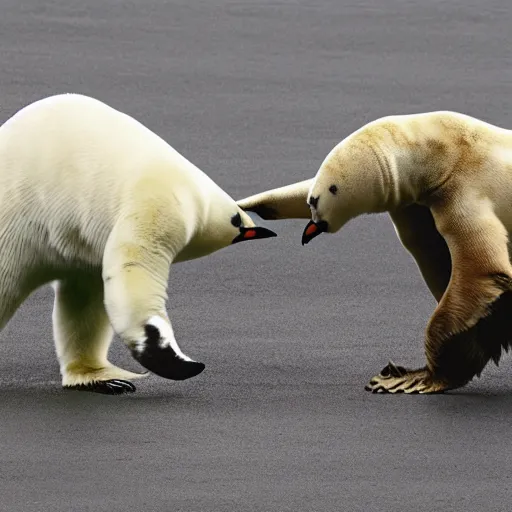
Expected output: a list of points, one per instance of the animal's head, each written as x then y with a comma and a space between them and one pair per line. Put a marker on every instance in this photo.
247, 230
348, 183
225, 224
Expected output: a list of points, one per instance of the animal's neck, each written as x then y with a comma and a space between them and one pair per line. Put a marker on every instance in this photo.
414, 159
385, 183
405, 177
379, 166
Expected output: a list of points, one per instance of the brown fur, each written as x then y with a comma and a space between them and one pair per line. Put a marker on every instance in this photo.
446, 181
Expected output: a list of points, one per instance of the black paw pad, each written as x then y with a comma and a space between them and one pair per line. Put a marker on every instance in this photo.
163, 361
106, 387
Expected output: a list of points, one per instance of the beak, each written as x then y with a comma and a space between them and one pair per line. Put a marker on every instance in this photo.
252, 234
313, 229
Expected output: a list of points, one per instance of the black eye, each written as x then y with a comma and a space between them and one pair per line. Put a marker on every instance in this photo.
236, 220
333, 189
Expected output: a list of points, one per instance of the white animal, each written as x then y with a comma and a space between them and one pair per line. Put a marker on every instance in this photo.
446, 180
93, 201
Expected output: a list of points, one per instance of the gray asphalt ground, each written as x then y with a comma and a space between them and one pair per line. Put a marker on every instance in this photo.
256, 94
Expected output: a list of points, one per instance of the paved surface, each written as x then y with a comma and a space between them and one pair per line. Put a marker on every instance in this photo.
256, 94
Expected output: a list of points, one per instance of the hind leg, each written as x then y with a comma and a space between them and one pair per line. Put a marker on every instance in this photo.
82, 335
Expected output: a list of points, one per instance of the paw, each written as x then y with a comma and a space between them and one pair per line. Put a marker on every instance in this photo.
106, 387
397, 379
165, 363
159, 353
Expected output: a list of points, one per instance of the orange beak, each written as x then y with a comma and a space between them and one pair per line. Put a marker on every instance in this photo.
312, 230
253, 234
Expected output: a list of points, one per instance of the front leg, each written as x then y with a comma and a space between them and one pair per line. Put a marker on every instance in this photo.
472, 322
288, 202
136, 266
416, 229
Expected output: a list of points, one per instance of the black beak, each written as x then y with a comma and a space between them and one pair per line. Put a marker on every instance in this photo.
313, 229
252, 234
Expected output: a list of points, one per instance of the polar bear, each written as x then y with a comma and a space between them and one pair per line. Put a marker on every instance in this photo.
95, 203
445, 179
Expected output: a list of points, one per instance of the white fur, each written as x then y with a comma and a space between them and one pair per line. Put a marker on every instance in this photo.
93, 200
167, 337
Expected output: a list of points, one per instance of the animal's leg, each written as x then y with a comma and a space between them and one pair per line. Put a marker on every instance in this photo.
136, 266
417, 231
17, 281
473, 320
288, 202
82, 335
11, 298
415, 226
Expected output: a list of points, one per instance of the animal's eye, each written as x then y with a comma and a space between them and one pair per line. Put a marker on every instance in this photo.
333, 189
236, 220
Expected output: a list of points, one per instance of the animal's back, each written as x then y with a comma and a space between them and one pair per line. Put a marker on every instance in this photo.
478, 154
66, 164
76, 145
440, 144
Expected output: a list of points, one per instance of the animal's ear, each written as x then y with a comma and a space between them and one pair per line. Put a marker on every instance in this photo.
253, 234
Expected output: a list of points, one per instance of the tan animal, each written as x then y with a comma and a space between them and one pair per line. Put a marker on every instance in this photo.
446, 180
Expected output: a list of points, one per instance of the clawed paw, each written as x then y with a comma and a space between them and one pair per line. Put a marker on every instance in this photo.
106, 387
397, 379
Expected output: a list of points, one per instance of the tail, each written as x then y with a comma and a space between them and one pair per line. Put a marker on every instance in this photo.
289, 202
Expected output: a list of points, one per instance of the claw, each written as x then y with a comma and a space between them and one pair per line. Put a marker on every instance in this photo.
105, 387
396, 371
392, 370
395, 379
121, 385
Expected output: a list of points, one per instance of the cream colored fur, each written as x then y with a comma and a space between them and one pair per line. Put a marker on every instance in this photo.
446, 180
92, 200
